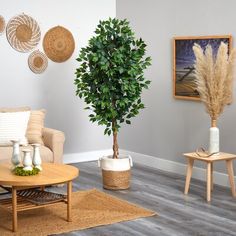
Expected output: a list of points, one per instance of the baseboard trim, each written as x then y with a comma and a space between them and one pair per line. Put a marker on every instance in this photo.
85, 156
176, 167
151, 161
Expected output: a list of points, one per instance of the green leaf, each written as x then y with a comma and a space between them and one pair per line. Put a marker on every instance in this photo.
147, 82
106, 131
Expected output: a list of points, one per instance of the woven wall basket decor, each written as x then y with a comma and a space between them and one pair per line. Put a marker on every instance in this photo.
38, 62
23, 33
2, 24
58, 44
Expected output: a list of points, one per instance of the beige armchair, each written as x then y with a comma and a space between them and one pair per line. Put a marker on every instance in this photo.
54, 140
51, 151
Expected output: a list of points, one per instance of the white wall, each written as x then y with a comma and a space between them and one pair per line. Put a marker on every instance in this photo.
169, 127
54, 89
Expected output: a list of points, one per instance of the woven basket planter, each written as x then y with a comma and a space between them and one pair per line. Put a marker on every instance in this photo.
116, 173
116, 180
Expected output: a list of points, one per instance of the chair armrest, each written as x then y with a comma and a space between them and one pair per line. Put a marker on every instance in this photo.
54, 140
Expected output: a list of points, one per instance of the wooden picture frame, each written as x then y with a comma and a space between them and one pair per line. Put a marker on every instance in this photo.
183, 60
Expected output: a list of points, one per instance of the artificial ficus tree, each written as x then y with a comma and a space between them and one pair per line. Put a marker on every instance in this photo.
110, 77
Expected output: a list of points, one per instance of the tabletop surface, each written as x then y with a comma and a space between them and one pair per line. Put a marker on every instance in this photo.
51, 174
220, 157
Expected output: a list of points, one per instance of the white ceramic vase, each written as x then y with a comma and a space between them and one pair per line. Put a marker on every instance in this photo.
36, 156
15, 159
27, 161
214, 139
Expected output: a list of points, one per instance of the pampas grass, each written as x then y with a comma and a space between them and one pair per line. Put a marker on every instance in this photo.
214, 77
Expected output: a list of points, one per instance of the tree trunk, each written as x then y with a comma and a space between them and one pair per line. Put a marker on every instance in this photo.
115, 142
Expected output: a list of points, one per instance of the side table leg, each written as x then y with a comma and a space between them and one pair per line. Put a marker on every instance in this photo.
212, 179
69, 193
188, 174
208, 181
230, 169
14, 209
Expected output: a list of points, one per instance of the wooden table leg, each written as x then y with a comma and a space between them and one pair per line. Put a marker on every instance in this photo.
14, 209
230, 169
209, 181
212, 179
188, 174
42, 188
69, 193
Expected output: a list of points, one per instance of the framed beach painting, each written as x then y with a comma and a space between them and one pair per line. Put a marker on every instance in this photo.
183, 63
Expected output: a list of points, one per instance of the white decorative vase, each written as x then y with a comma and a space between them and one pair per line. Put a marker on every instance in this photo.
214, 139
15, 159
36, 156
27, 161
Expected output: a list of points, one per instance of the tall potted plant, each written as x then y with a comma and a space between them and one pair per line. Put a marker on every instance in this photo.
110, 79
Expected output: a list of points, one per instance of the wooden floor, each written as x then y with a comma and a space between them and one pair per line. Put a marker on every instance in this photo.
163, 192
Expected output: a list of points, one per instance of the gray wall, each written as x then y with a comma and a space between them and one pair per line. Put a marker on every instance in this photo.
54, 89
169, 127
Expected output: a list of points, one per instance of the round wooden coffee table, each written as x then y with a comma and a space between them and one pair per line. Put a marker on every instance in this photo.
50, 175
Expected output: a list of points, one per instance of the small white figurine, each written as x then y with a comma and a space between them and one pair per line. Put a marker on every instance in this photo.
27, 161
36, 156
16, 159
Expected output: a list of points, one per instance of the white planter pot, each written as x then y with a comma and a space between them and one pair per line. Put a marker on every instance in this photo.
116, 172
124, 162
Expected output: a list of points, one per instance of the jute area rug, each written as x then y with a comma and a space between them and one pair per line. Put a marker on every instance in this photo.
89, 209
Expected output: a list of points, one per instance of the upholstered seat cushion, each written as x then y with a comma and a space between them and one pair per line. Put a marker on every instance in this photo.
45, 152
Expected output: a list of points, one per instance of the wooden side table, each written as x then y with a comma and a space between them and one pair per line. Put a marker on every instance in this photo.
191, 157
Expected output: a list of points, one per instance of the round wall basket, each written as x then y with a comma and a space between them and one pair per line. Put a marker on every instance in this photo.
2, 24
38, 62
23, 33
58, 44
